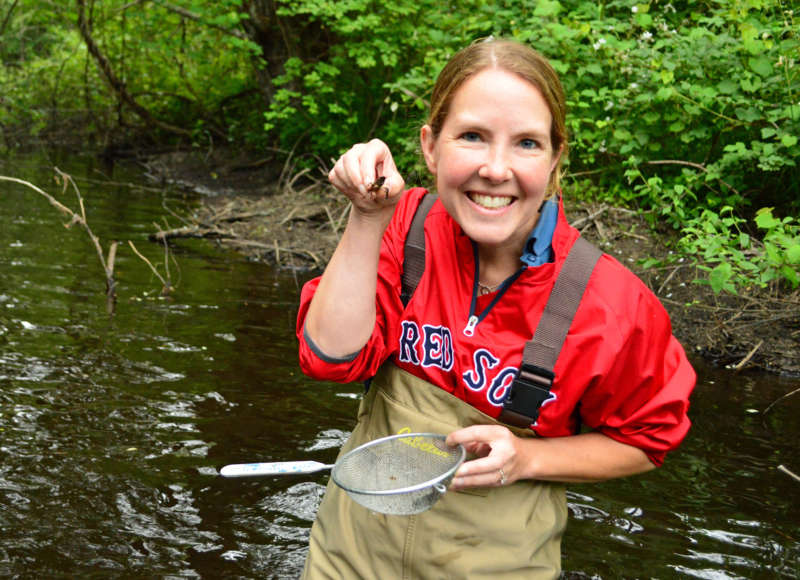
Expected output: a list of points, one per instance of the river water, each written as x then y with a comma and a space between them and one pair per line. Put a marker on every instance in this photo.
113, 427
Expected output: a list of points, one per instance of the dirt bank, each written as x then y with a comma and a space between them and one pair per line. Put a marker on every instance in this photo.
295, 222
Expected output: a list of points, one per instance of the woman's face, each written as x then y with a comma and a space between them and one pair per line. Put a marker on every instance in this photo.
493, 158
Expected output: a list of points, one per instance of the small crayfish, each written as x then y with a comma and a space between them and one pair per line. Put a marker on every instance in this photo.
377, 185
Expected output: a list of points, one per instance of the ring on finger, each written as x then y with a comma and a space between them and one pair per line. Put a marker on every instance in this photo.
503, 478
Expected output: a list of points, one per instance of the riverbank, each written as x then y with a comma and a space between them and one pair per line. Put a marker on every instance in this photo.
294, 221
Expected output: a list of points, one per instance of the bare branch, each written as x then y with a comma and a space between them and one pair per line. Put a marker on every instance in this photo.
791, 474
197, 18
116, 84
7, 19
166, 287
693, 165
53, 201
786, 396
108, 267
740, 365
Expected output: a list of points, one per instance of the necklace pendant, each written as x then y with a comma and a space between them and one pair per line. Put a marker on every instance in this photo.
469, 329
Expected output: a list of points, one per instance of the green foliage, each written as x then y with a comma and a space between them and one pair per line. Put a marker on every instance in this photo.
736, 260
689, 111
351, 93
184, 71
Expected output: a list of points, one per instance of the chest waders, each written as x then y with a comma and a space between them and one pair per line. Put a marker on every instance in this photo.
487, 533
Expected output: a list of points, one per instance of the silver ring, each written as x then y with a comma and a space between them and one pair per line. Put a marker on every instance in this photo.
503, 478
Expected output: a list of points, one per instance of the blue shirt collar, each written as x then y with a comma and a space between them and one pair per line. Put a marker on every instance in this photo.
539, 249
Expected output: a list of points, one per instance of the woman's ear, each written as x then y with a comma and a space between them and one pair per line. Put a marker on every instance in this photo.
428, 143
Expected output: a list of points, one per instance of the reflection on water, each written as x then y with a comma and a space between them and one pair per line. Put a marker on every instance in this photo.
112, 428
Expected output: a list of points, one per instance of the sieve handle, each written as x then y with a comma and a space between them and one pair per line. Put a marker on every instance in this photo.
274, 468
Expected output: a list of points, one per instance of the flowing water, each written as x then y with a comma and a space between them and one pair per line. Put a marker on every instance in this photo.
113, 427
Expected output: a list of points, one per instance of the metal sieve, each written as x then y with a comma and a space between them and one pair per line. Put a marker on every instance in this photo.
401, 474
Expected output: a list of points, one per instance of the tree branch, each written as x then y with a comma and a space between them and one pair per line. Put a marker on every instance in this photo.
7, 19
116, 84
108, 265
197, 18
691, 164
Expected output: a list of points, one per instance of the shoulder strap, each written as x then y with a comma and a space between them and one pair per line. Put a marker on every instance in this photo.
414, 254
531, 387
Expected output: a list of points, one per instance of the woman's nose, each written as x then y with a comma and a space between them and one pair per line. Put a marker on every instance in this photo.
497, 166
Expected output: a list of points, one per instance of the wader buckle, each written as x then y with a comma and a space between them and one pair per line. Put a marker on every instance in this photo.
530, 389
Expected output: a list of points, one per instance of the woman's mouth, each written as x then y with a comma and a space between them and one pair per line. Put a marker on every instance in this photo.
490, 201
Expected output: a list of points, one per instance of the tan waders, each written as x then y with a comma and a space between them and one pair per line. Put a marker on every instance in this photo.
507, 532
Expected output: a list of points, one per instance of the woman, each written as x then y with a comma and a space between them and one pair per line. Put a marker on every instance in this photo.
496, 240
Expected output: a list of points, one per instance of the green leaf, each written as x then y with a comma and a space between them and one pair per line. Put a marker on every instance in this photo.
791, 275
788, 140
750, 84
727, 87
744, 241
547, 8
719, 276
765, 220
793, 254
643, 19
760, 65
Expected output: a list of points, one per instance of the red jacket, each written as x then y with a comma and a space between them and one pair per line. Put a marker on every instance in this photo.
620, 372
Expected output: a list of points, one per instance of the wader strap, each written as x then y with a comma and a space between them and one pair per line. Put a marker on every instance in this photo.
532, 385
414, 254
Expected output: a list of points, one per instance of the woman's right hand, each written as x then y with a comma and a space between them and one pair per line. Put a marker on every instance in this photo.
357, 174
342, 314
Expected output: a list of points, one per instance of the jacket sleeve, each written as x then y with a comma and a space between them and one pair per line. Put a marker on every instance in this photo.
364, 364
640, 387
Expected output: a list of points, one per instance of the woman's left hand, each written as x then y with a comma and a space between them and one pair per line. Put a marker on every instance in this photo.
499, 459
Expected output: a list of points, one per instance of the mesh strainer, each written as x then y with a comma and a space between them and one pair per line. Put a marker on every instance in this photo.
400, 474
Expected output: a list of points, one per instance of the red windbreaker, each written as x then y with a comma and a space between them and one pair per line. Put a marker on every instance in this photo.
620, 372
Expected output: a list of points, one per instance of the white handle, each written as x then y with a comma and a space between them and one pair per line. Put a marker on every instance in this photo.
274, 468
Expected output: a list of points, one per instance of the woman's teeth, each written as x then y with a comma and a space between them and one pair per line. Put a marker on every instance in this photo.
490, 201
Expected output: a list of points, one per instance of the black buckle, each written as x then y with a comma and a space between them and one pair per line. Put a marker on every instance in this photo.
530, 389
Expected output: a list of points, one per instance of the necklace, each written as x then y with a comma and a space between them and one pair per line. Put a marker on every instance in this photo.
473, 319
484, 289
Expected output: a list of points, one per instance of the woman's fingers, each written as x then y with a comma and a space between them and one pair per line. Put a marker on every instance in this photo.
495, 447
367, 175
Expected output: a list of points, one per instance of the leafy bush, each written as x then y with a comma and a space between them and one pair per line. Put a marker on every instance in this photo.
186, 71
688, 110
734, 259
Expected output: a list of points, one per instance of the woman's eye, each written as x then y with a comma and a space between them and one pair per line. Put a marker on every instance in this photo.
528, 144
471, 136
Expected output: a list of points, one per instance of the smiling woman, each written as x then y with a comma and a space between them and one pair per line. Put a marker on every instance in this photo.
493, 162
500, 259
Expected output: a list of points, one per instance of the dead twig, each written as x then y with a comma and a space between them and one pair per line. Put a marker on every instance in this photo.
80, 219
262, 245
694, 166
765, 320
580, 222
343, 215
331, 220
788, 472
168, 256
779, 399
668, 278
193, 231
166, 287
740, 365
632, 235
289, 215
